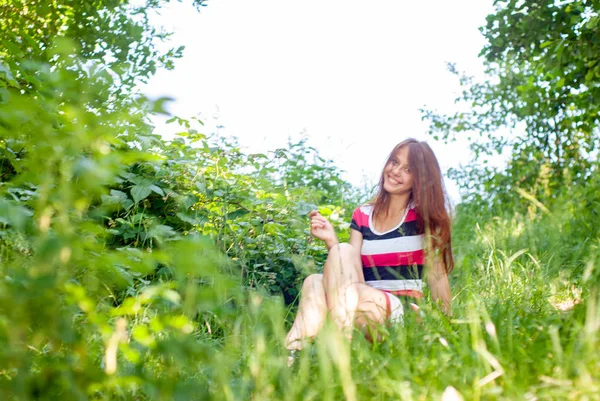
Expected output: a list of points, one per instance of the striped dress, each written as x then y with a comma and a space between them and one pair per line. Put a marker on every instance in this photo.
393, 260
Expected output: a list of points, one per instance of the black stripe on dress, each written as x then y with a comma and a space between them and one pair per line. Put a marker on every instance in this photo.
402, 272
405, 230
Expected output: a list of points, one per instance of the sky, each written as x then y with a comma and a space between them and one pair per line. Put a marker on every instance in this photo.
350, 76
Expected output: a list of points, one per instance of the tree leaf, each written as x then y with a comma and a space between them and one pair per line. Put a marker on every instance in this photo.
115, 197
14, 215
140, 192
157, 189
303, 208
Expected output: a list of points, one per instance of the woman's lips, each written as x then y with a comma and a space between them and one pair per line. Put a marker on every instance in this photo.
393, 180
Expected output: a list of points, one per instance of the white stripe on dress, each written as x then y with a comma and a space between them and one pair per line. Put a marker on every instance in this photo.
402, 244
397, 285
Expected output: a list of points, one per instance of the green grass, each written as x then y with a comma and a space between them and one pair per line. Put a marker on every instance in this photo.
525, 325
519, 331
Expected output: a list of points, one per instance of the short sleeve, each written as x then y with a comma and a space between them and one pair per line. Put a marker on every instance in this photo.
355, 224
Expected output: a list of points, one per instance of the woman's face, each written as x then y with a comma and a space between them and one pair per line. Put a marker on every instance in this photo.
397, 177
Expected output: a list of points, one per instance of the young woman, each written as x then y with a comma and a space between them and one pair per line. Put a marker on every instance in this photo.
396, 240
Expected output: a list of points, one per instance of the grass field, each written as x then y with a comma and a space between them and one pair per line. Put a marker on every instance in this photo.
524, 327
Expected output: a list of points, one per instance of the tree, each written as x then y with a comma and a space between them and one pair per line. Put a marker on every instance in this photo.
110, 34
541, 58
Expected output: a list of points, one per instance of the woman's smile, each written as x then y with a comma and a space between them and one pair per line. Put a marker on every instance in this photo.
394, 180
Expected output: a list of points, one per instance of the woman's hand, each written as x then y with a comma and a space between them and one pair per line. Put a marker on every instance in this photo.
322, 229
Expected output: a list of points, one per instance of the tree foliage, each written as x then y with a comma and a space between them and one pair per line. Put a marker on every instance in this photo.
539, 104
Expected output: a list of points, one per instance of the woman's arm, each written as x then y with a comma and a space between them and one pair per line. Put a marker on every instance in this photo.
356, 240
437, 280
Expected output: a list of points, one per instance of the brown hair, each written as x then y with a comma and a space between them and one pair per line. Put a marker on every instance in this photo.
428, 196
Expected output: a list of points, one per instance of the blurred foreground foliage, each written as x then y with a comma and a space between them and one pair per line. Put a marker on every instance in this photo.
107, 230
125, 258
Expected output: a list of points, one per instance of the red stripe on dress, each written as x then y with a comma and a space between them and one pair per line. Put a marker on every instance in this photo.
394, 259
361, 219
411, 215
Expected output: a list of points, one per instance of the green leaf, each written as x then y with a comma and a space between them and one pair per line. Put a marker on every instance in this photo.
10, 46
157, 189
592, 23
158, 106
237, 213
116, 197
304, 208
188, 201
142, 335
14, 215
201, 186
161, 232
189, 219
589, 76
140, 192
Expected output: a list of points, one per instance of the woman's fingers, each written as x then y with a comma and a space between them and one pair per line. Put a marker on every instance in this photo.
318, 217
317, 221
314, 215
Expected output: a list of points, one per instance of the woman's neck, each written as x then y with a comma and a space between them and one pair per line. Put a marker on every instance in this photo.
396, 209
398, 203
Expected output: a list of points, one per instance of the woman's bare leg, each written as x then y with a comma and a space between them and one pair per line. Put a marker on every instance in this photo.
341, 291
371, 311
311, 312
340, 274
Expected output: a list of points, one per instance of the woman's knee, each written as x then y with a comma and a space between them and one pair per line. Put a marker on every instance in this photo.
311, 282
343, 257
342, 247
343, 251
352, 293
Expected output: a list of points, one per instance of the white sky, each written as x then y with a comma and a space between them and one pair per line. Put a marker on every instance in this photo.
351, 75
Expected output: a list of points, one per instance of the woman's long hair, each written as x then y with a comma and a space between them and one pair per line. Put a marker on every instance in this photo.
428, 197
